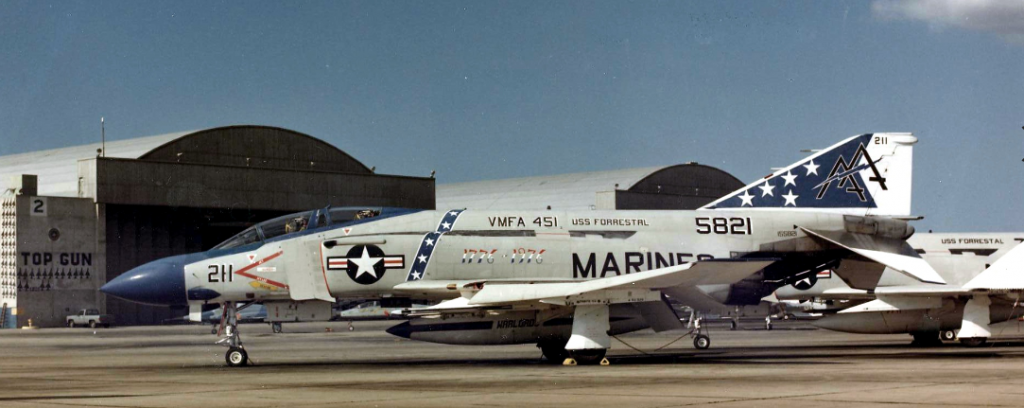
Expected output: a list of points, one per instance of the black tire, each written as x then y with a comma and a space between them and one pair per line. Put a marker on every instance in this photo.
92, 324
276, 327
947, 335
588, 356
702, 342
236, 357
732, 325
974, 341
553, 351
71, 324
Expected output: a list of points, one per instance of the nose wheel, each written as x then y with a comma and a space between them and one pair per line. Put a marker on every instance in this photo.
236, 355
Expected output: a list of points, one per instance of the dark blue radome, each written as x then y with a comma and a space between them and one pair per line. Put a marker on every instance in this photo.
161, 282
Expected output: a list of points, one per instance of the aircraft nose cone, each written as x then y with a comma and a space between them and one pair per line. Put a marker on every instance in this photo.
161, 282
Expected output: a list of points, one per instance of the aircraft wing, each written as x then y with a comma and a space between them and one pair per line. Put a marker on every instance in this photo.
643, 289
493, 291
623, 288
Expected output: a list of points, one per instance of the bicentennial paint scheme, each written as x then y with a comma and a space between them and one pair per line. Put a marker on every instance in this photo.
565, 280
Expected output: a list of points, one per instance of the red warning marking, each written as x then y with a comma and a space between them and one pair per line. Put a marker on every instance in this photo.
245, 271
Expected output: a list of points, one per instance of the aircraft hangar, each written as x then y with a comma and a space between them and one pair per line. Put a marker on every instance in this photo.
72, 219
680, 187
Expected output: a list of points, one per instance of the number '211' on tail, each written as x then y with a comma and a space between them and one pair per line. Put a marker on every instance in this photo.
868, 174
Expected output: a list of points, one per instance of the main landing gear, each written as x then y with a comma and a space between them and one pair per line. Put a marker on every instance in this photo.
236, 355
553, 350
701, 341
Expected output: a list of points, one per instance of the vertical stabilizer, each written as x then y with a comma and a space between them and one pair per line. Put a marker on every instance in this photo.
869, 174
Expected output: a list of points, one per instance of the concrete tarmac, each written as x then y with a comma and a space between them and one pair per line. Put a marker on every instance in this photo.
792, 366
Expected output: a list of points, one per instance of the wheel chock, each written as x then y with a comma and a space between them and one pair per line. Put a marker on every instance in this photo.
569, 362
604, 362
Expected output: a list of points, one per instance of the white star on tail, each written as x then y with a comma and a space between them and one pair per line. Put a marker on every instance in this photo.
430, 242
790, 198
747, 199
446, 225
423, 258
766, 189
811, 168
415, 275
366, 263
790, 178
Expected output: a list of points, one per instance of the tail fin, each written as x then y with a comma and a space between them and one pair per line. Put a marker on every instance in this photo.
869, 174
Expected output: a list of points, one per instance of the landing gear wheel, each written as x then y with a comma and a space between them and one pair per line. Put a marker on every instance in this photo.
71, 324
554, 351
275, 327
947, 335
732, 325
974, 341
702, 342
92, 324
236, 357
588, 356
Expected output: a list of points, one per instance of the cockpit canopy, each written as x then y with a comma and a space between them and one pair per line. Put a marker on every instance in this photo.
292, 223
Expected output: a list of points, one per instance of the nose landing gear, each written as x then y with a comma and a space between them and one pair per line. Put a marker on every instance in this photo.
236, 355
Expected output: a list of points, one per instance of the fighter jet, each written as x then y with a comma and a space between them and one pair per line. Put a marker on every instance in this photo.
563, 280
982, 290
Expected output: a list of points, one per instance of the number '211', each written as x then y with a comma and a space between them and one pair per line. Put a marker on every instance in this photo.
221, 273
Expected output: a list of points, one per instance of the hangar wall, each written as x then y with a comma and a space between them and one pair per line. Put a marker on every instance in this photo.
58, 263
8, 259
169, 184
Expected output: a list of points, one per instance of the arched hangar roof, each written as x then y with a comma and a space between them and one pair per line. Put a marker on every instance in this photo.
244, 145
579, 191
256, 146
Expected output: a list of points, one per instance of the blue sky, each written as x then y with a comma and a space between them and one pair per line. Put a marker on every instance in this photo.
484, 90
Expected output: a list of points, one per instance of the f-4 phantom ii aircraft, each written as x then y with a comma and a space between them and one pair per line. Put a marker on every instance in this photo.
984, 287
563, 280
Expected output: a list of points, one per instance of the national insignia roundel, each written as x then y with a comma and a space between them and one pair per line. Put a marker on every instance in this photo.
365, 264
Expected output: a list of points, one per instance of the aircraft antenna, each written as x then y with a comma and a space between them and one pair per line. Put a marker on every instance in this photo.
103, 139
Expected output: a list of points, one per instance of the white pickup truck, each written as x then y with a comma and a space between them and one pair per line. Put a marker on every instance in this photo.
90, 317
